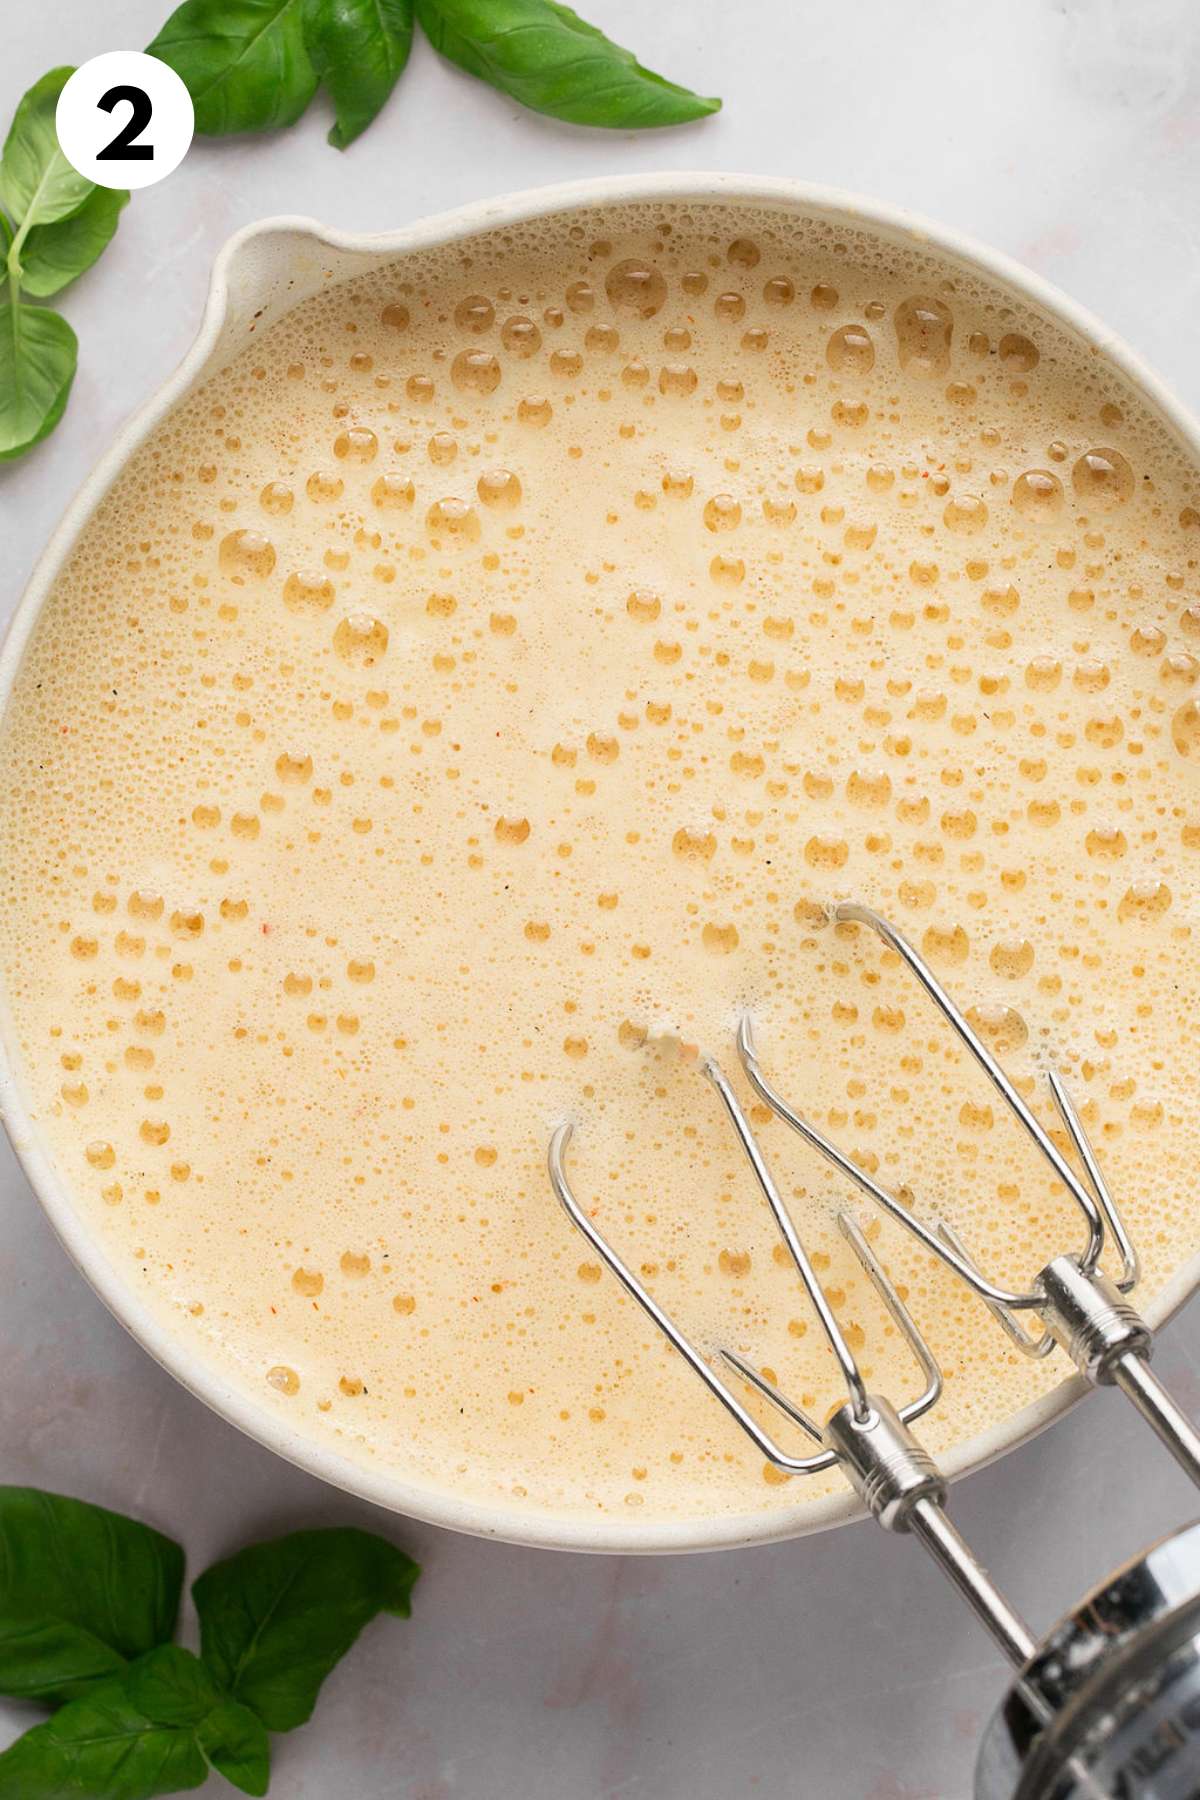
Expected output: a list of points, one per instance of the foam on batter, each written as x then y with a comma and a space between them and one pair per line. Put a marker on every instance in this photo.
482, 685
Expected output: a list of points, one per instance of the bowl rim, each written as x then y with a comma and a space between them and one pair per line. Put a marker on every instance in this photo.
378, 1484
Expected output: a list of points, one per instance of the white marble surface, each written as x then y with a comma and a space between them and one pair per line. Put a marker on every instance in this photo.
1068, 133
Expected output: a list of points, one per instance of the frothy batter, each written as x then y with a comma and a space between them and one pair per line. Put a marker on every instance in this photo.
477, 690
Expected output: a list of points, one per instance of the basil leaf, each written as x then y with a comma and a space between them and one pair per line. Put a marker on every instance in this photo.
102, 1745
38, 352
236, 1744
551, 60
243, 62
358, 48
173, 1687
277, 1617
155, 1729
82, 1590
37, 183
53, 255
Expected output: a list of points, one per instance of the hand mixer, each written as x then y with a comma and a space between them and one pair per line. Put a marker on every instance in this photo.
1107, 1704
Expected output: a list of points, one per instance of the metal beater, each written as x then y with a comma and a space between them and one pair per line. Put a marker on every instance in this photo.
1082, 1310
1108, 1703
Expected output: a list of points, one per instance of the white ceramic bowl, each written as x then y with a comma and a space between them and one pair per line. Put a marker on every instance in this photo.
262, 272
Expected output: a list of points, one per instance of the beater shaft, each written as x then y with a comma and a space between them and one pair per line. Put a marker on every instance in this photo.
949, 1550
1138, 1382
905, 1491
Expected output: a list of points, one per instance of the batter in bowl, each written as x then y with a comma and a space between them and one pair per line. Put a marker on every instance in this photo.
473, 694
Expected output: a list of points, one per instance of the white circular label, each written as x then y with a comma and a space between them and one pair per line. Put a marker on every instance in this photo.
124, 119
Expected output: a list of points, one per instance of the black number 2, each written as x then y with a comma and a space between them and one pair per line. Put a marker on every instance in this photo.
123, 147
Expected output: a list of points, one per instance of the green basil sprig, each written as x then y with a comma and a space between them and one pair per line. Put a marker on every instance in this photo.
38, 353
88, 1607
275, 1618
37, 183
55, 254
53, 225
161, 1728
254, 64
552, 61
358, 49
244, 62
82, 1591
